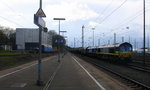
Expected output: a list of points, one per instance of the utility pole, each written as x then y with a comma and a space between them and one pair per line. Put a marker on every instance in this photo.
98, 42
135, 45
108, 42
114, 38
148, 43
93, 36
129, 39
144, 32
74, 42
83, 36
122, 39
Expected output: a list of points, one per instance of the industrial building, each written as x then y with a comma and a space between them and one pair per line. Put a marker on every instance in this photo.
28, 39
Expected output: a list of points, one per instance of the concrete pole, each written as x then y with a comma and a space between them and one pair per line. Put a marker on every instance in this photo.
59, 43
74, 42
93, 36
39, 81
129, 39
144, 32
114, 38
148, 43
83, 36
122, 39
98, 42
135, 45
108, 42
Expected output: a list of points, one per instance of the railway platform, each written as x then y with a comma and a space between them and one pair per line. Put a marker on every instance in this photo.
71, 73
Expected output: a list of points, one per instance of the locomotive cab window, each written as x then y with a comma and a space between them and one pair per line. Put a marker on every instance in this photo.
125, 48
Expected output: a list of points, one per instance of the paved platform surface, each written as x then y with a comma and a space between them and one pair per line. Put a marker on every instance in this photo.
71, 73
24, 77
71, 76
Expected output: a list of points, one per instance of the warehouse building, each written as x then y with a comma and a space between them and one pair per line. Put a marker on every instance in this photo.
28, 39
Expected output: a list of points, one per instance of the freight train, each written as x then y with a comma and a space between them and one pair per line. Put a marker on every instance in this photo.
120, 52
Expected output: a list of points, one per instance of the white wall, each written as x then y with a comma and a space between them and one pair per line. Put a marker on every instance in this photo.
24, 35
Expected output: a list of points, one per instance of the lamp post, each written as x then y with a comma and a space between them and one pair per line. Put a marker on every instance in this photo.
93, 35
58, 38
99, 42
114, 38
144, 32
83, 36
74, 42
122, 39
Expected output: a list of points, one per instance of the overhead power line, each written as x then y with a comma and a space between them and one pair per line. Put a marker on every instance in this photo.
109, 4
14, 11
127, 22
131, 19
11, 21
113, 11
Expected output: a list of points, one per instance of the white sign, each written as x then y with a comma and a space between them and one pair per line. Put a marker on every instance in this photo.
39, 21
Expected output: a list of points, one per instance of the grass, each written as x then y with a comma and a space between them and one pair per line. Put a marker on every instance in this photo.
6, 62
11, 61
9, 53
2, 51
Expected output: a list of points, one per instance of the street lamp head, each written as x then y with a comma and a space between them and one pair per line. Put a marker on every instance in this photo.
83, 26
63, 31
59, 19
93, 28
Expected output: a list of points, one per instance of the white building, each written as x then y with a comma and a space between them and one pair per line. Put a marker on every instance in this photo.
28, 38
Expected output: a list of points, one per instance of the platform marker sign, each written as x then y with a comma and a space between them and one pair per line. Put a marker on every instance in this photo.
39, 21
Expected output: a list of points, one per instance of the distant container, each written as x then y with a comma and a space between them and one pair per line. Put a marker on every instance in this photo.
28, 38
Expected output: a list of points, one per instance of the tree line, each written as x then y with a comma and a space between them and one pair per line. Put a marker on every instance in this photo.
7, 36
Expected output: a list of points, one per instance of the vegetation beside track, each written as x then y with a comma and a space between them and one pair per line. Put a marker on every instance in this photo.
9, 59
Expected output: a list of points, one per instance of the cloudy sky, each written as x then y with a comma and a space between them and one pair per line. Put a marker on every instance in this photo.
123, 17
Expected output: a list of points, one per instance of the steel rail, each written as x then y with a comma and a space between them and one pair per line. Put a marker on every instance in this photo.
139, 84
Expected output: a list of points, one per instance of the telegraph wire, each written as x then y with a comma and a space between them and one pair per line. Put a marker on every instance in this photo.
130, 20
11, 21
113, 12
104, 10
13, 10
139, 13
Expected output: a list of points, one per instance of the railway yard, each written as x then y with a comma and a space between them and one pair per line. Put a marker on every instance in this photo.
75, 45
135, 75
74, 71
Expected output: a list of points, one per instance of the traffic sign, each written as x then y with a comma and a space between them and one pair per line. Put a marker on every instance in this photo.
40, 13
39, 21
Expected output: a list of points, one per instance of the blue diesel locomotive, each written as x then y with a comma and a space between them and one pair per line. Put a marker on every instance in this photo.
120, 52
115, 52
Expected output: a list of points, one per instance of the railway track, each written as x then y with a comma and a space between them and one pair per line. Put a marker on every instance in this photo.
137, 67
129, 81
141, 62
